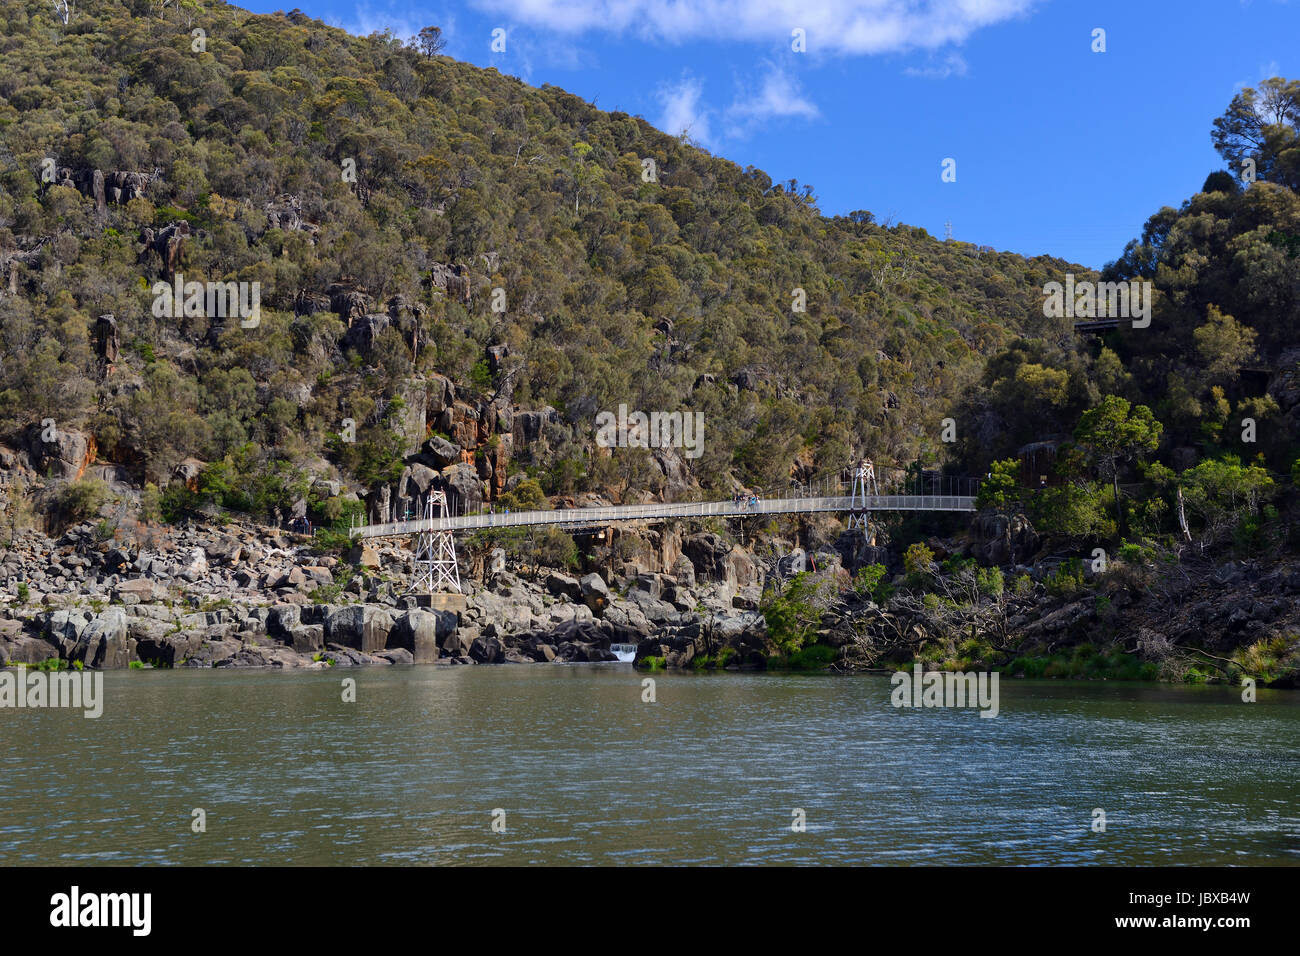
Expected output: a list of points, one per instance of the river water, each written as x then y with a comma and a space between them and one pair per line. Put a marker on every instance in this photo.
574, 767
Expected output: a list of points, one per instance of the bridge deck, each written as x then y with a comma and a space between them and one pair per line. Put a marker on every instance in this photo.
686, 509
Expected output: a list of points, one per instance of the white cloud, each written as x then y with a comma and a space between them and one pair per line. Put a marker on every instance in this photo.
366, 20
779, 96
951, 65
836, 26
683, 111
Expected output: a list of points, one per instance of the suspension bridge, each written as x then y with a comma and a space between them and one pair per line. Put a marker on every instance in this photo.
437, 571
435, 551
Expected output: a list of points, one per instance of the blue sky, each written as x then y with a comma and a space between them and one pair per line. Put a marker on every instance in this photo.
1058, 149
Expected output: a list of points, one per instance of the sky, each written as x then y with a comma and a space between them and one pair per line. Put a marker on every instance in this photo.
1058, 148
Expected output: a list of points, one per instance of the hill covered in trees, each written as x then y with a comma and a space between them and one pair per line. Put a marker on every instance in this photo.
457, 273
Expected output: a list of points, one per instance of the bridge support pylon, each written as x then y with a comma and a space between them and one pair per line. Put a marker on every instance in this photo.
436, 570
864, 488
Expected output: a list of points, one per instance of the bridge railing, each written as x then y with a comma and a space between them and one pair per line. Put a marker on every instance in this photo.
653, 510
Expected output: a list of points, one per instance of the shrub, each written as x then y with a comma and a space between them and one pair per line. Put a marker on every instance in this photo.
79, 500
870, 582
918, 562
792, 616
815, 658
989, 581
1067, 579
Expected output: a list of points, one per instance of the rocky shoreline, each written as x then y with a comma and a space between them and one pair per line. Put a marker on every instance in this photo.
201, 598
241, 596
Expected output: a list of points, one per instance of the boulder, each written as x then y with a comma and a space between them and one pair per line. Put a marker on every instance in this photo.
281, 619
440, 453
105, 642
306, 639
417, 631
364, 556
63, 453
169, 649
463, 487
25, 649
561, 585
595, 593
361, 627
487, 650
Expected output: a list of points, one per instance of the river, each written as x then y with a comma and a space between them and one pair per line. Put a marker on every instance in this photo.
574, 767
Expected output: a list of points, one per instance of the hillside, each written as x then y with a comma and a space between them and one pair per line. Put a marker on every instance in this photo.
377, 289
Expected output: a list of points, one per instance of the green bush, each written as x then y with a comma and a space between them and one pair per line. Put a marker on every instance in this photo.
791, 616
870, 582
989, 581
1067, 580
815, 658
917, 563
79, 500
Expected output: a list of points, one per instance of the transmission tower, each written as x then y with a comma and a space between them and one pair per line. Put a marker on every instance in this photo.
864, 489
435, 552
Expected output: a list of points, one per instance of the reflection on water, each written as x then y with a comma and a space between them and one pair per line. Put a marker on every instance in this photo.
711, 772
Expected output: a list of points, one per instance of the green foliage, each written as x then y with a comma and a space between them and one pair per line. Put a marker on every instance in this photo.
816, 657
1067, 580
177, 502
24, 592
1000, 491
1076, 509
870, 583
480, 376
249, 481
989, 581
1117, 431
1084, 661
526, 496
792, 614
918, 562
79, 500
1269, 660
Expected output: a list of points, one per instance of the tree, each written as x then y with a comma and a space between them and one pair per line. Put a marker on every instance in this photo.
1001, 489
430, 41
870, 583
1261, 124
1224, 344
1116, 431
918, 562
1224, 492
793, 613
1221, 181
